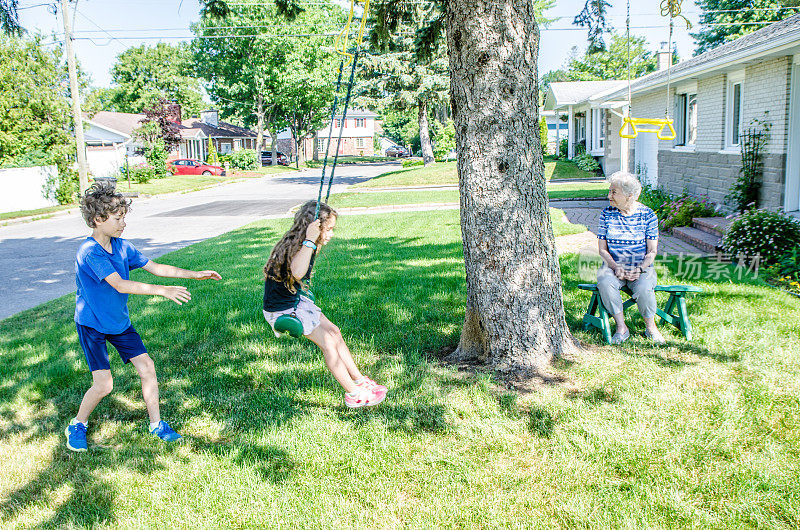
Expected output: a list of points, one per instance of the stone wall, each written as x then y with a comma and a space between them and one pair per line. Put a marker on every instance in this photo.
712, 174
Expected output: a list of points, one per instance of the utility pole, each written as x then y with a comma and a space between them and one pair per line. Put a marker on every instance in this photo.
76, 102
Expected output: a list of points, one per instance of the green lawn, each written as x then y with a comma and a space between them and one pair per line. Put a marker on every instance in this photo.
361, 200
701, 434
444, 173
555, 169
40, 211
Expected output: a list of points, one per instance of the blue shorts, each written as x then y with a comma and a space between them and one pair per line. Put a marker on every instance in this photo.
128, 344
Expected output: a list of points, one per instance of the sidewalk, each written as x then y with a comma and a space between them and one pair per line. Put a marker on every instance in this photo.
577, 211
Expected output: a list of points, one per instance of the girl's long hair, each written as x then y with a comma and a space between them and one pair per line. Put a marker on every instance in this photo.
279, 264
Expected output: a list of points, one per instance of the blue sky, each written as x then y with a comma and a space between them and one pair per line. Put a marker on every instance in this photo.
104, 28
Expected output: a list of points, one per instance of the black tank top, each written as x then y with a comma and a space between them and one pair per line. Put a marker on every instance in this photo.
278, 298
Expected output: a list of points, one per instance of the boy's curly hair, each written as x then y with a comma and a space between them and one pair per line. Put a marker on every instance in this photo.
102, 200
279, 265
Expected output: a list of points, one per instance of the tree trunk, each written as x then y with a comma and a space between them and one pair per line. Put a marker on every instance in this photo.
424, 134
514, 308
315, 148
259, 125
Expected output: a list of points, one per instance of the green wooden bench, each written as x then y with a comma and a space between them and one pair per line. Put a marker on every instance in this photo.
597, 316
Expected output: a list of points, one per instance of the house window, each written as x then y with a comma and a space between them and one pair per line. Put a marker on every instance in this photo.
361, 122
598, 129
321, 144
733, 116
686, 122
359, 142
338, 123
225, 148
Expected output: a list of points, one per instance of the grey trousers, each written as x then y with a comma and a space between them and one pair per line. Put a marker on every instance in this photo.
608, 285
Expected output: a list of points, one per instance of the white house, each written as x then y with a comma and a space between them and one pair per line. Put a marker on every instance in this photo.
712, 98
109, 138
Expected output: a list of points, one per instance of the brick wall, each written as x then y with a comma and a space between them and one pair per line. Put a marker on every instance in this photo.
712, 174
766, 97
708, 171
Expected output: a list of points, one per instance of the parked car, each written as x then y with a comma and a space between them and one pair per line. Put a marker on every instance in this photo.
266, 159
190, 166
397, 151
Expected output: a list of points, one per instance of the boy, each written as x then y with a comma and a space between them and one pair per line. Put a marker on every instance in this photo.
102, 271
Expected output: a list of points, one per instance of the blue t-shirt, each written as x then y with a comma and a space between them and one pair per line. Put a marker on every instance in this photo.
627, 235
97, 304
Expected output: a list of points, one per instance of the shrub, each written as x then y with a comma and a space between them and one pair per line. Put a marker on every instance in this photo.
156, 155
213, 157
63, 187
656, 199
543, 134
787, 267
681, 211
586, 162
142, 173
244, 159
412, 163
445, 140
770, 235
563, 148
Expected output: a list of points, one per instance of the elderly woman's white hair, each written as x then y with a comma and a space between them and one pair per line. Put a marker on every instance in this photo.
625, 182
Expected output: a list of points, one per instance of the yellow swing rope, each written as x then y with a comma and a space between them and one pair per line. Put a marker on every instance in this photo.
671, 8
343, 38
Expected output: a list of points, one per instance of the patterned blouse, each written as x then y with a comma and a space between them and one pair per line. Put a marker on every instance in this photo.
627, 235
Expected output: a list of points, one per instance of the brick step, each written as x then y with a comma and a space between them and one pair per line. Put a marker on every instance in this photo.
712, 225
699, 238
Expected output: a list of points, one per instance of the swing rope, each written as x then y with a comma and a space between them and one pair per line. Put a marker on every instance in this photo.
342, 40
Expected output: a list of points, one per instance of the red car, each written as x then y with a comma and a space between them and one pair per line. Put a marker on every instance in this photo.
189, 166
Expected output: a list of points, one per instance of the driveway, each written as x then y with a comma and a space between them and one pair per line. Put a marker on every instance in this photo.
37, 259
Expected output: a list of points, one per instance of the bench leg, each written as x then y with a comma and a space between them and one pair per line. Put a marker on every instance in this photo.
600, 321
605, 325
588, 317
683, 318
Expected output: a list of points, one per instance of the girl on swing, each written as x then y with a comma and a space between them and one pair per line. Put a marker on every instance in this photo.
289, 264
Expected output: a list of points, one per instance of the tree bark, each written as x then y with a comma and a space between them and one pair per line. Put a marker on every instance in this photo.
259, 126
514, 308
424, 134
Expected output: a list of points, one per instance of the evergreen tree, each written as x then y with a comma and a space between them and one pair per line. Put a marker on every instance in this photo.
9, 18
213, 157
396, 79
726, 20
593, 16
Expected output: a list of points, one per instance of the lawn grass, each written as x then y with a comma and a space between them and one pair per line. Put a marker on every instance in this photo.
39, 211
700, 434
362, 200
444, 174
349, 160
555, 169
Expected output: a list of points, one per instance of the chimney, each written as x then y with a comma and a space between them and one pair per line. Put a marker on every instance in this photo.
174, 113
663, 57
210, 117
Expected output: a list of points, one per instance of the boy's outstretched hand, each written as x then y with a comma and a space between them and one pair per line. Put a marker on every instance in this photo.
177, 293
207, 275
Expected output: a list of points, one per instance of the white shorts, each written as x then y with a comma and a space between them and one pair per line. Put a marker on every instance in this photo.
307, 311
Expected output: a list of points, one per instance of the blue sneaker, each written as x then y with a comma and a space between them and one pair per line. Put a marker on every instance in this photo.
76, 437
165, 432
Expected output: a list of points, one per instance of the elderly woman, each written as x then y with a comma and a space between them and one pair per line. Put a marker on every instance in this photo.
628, 240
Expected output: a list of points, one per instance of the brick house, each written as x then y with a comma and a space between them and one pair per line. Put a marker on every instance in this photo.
358, 134
712, 99
109, 138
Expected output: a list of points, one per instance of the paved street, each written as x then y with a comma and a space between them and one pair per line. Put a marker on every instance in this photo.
37, 258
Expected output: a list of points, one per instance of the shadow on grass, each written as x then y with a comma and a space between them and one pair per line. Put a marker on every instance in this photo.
738, 296
397, 298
